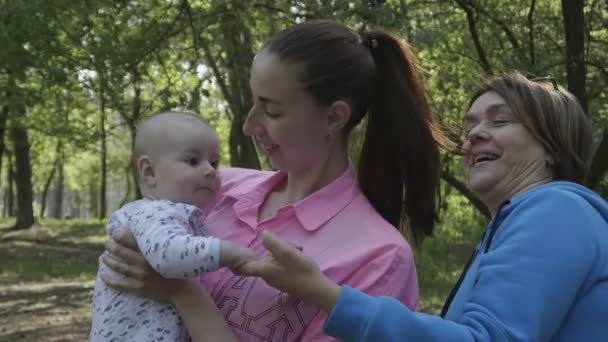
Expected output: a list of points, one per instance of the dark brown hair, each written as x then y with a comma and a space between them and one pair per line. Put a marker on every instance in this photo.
376, 73
554, 116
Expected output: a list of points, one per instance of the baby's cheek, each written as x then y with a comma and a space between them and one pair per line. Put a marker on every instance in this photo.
187, 184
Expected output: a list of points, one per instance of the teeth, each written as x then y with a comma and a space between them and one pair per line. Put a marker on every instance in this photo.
485, 156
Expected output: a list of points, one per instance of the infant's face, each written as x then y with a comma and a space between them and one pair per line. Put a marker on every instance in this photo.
189, 172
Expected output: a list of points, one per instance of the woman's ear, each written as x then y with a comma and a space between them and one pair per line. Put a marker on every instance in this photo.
145, 171
338, 116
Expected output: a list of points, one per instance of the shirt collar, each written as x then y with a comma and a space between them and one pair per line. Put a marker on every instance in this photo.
320, 206
312, 211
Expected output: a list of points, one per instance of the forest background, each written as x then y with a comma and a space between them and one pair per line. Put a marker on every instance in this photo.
77, 76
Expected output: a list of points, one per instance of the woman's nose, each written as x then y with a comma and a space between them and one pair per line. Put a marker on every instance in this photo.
250, 124
477, 133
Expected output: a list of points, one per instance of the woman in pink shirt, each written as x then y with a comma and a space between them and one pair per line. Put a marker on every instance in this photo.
312, 84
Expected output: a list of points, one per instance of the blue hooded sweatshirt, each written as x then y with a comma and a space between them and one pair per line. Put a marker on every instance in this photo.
540, 274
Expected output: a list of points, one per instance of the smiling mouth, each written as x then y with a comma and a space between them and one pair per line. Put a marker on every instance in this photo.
484, 157
269, 147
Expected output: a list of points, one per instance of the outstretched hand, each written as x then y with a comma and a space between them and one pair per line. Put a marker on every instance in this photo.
287, 268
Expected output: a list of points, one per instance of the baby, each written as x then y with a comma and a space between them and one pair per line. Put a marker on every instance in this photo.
176, 156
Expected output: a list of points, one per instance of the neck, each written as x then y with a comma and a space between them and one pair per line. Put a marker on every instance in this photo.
147, 193
493, 202
300, 184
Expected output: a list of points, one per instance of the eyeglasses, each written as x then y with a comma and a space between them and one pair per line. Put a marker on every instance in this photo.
547, 79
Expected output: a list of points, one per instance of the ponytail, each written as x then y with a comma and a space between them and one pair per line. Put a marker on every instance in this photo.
399, 169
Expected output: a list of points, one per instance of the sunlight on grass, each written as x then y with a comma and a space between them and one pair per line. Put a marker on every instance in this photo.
53, 249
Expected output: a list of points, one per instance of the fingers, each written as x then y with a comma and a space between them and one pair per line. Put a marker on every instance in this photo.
298, 247
125, 238
122, 284
128, 255
121, 267
250, 269
264, 268
282, 251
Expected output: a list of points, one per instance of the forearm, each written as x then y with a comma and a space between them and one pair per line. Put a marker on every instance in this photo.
203, 320
184, 256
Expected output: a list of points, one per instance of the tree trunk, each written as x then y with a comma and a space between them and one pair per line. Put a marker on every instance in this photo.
47, 184
239, 58
3, 121
45, 191
58, 200
574, 28
576, 68
9, 207
132, 123
25, 210
93, 200
104, 152
234, 85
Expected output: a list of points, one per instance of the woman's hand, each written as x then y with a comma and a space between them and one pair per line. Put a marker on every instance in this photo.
123, 257
285, 267
201, 317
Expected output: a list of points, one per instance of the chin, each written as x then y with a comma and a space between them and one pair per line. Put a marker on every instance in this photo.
481, 186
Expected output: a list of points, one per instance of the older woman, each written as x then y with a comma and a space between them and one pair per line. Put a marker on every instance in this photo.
541, 271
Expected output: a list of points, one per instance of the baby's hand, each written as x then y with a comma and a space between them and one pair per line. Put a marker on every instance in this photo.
234, 256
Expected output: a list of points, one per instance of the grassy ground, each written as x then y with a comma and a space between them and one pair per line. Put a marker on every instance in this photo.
46, 279
47, 275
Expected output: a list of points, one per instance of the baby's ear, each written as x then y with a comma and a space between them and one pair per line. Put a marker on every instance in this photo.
145, 171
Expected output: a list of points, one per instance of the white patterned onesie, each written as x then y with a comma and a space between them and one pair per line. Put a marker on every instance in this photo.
170, 236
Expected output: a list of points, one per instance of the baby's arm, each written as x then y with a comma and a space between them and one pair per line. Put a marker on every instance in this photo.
164, 236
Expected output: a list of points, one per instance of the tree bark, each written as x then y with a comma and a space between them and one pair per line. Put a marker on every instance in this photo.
235, 84
47, 186
3, 121
58, 193
93, 200
9, 207
25, 193
104, 151
576, 69
240, 56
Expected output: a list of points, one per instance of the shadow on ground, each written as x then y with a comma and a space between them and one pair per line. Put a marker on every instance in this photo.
45, 289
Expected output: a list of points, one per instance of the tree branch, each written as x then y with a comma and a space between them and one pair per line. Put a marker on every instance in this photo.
458, 185
531, 33
199, 43
472, 22
504, 26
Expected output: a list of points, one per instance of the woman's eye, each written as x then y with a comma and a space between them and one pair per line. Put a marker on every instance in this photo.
273, 115
501, 122
192, 161
215, 164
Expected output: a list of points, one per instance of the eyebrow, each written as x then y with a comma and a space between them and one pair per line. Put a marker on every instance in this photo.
269, 100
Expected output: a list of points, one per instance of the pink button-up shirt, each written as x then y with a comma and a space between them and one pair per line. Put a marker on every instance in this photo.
336, 226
